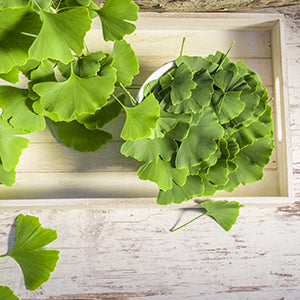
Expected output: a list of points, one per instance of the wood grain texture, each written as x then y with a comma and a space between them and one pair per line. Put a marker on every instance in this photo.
203, 5
124, 251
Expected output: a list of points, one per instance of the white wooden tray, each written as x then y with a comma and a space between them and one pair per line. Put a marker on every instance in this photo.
51, 174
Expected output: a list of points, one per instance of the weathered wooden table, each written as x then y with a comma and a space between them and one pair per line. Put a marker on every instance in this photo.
123, 249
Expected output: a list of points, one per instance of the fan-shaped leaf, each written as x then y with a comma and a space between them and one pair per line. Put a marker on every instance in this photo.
64, 31
12, 76
141, 119
35, 263
114, 14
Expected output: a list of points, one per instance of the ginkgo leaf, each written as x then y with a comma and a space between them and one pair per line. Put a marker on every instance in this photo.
18, 28
141, 119
13, 3
201, 141
41, 4
64, 31
75, 96
125, 62
80, 138
163, 174
36, 264
193, 187
92, 7
150, 149
7, 177
104, 115
5, 292
182, 85
84, 67
28, 67
11, 145
200, 97
225, 213
197, 63
114, 14
12, 76
17, 109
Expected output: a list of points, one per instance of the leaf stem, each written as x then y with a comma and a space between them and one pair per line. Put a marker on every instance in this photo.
119, 101
37, 5
225, 55
86, 47
132, 100
172, 230
182, 45
58, 5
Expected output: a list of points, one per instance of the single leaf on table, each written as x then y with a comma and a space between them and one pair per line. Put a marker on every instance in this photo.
11, 145
17, 109
141, 119
12, 76
5, 292
36, 264
114, 15
193, 187
75, 96
77, 136
125, 62
83, 67
64, 31
163, 174
104, 115
150, 149
225, 213
18, 28
201, 141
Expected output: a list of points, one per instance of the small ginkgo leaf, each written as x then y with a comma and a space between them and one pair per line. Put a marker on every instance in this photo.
104, 115
114, 14
11, 145
225, 213
36, 264
201, 140
125, 62
64, 31
140, 119
150, 149
163, 174
182, 85
28, 67
17, 109
77, 136
83, 67
18, 28
5, 292
75, 96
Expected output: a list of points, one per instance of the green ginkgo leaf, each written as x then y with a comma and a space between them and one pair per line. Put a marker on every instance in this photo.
5, 292
141, 119
225, 213
197, 63
64, 31
163, 174
193, 187
104, 115
12, 76
18, 28
77, 136
7, 177
75, 96
125, 62
201, 141
150, 149
13, 3
114, 14
89, 4
83, 67
36, 264
11, 145
28, 67
182, 84
17, 109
